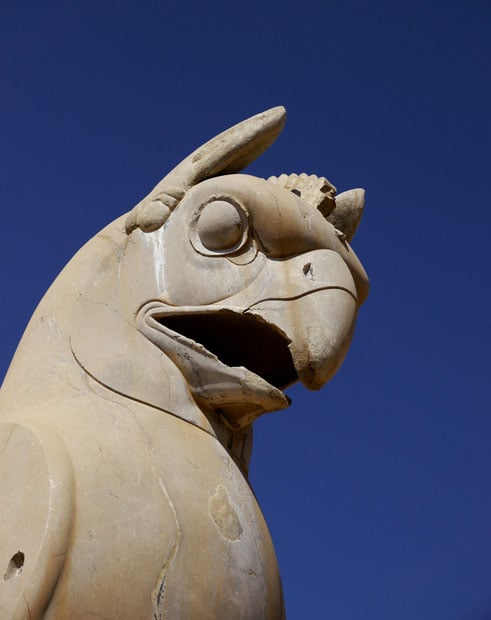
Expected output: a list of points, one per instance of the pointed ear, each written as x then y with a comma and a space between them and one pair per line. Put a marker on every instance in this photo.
229, 152
348, 211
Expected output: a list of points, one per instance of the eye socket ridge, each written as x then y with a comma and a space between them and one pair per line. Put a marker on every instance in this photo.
220, 226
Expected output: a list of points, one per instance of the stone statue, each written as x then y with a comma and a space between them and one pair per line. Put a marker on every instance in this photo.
126, 414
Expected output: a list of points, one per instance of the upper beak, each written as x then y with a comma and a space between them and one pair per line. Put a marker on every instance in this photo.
313, 301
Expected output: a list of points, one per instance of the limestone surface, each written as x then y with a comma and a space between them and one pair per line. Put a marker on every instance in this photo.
126, 414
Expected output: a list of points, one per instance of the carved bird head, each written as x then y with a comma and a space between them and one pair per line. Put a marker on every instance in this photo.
248, 285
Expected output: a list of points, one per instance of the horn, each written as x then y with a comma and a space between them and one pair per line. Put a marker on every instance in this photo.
348, 211
229, 152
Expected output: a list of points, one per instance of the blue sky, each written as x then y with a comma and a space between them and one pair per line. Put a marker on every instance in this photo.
377, 489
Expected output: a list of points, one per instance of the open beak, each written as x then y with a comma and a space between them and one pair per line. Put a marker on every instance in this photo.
239, 355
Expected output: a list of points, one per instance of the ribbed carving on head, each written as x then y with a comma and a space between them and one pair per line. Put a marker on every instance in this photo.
315, 190
229, 152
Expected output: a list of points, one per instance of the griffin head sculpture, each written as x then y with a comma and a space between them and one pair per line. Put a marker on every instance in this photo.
126, 414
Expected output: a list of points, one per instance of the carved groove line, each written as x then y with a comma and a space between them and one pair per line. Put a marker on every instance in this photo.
159, 589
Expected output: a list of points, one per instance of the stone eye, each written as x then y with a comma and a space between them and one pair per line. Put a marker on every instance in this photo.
221, 226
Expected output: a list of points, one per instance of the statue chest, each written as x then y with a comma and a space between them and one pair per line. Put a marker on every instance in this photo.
223, 555
166, 526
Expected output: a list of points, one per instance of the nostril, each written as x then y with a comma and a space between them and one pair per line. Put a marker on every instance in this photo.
308, 270
15, 565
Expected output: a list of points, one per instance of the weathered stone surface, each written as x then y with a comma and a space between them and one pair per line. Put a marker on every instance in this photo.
126, 414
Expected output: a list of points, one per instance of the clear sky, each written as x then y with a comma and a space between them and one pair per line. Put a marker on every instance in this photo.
377, 489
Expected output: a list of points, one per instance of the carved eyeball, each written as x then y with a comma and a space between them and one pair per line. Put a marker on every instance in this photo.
221, 227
